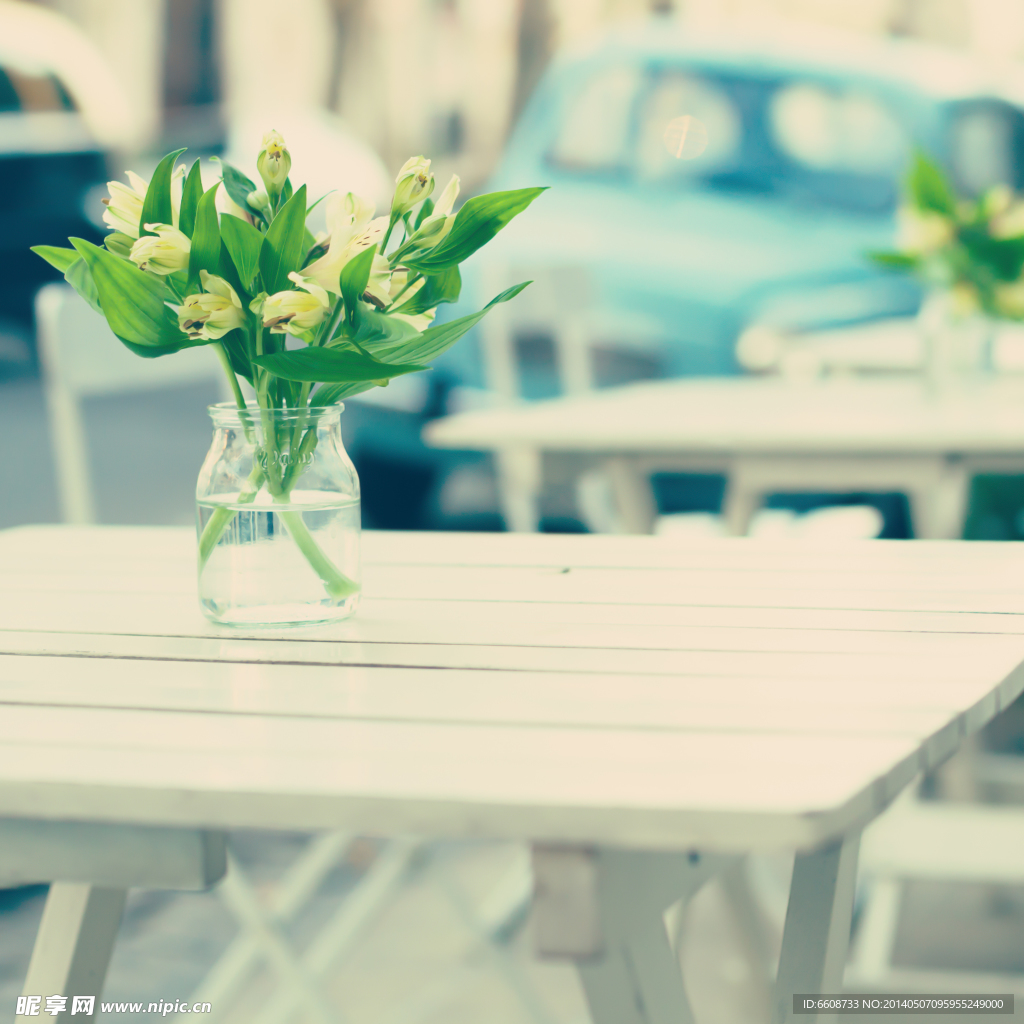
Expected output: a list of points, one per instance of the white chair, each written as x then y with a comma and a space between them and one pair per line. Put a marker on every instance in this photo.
561, 304
81, 358
934, 840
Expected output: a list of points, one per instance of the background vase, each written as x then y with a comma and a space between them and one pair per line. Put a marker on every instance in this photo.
957, 344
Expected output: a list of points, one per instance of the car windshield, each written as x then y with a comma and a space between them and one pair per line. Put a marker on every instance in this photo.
796, 139
984, 137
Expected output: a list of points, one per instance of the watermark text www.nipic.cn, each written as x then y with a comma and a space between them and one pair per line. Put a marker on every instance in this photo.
35, 1006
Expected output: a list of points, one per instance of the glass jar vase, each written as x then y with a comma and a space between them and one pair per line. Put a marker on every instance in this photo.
957, 343
277, 511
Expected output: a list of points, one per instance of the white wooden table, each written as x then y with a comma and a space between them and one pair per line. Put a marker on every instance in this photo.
894, 345
642, 712
767, 435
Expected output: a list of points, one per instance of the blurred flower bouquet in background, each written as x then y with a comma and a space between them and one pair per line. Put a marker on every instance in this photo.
969, 254
304, 322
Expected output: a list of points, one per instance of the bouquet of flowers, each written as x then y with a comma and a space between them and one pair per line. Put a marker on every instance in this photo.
305, 321
972, 251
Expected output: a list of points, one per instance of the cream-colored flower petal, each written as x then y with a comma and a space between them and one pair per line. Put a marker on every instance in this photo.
139, 185
446, 200
218, 286
311, 286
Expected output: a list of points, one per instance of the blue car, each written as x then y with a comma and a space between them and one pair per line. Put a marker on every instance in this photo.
708, 184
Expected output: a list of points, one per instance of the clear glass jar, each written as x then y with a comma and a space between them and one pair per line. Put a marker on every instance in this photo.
277, 511
957, 344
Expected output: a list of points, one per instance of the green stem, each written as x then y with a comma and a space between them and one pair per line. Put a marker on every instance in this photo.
232, 379
408, 284
387, 235
218, 522
329, 325
337, 584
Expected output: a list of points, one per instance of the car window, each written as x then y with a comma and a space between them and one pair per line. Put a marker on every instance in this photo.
686, 125
596, 126
32, 93
841, 130
982, 140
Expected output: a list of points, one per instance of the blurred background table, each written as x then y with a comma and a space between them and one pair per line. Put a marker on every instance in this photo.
767, 434
643, 712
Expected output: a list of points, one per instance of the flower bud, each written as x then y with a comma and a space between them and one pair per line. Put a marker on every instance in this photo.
258, 200
413, 184
211, 314
274, 163
964, 300
291, 312
922, 232
446, 200
166, 252
1009, 299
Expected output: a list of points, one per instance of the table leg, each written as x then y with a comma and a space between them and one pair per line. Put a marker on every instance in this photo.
605, 910
817, 930
634, 496
519, 483
74, 944
938, 508
739, 507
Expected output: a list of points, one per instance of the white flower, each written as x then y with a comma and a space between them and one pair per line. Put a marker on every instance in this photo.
414, 182
352, 229
274, 162
446, 200
1007, 215
293, 311
225, 204
1009, 299
163, 253
258, 199
211, 314
435, 227
124, 207
177, 188
397, 291
922, 232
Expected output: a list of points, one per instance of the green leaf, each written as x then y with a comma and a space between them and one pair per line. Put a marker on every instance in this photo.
355, 276
380, 328
426, 209
243, 242
893, 260
1003, 257
310, 209
191, 193
479, 220
435, 340
205, 252
133, 302
929, 188
283, 247
157, 208
443, 287
57, 257
119, 243
331, 365
78, 276
238, 186
328, 394
238, 355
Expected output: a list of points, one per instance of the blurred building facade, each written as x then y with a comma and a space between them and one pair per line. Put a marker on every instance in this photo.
444, 77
